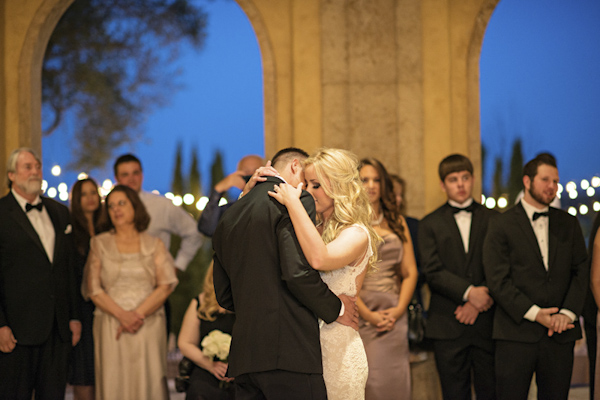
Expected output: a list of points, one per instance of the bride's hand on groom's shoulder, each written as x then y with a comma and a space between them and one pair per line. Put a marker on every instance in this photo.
350, 315
285, 193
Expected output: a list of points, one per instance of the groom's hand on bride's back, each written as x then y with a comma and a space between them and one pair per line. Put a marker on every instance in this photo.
350, 315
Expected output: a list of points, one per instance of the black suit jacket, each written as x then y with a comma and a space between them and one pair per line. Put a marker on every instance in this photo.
518, 279
261, 274
449, 271
35, 293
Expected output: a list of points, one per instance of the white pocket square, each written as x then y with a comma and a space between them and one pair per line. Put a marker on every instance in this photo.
68, 229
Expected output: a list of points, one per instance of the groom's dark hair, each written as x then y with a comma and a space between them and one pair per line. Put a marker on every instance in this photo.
288, 154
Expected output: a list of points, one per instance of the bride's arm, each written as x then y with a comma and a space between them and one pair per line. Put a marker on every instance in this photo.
346, 248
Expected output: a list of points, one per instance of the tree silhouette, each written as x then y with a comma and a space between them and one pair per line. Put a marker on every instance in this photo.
108, 64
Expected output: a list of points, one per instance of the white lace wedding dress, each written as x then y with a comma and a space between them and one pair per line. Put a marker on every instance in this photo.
345, 368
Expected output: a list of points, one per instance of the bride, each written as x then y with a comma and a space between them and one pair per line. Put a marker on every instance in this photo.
343, 247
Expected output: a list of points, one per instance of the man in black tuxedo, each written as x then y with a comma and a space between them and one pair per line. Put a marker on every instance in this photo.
461, 309
536, 267
261, 274
38, 303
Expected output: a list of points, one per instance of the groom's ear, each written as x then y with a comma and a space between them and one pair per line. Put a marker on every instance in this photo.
296, 166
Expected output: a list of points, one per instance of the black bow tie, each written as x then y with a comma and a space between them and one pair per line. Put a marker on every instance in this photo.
38, 206
469, 208
536, 215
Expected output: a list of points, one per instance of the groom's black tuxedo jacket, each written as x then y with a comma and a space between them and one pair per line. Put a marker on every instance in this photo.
35, 294
517, 277
450, 271
261, 274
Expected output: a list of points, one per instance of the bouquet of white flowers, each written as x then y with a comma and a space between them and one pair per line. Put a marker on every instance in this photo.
216, 344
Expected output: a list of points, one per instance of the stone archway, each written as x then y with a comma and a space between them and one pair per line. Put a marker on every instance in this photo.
433, 104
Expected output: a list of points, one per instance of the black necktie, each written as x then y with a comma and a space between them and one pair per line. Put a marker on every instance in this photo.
536, 215
469, 208
29, 207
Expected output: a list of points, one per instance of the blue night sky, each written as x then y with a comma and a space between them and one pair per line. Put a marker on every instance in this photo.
539, 80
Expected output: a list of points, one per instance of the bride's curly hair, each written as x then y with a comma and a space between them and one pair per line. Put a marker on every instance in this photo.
337, 171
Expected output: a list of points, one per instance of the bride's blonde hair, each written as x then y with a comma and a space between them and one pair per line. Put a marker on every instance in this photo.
337, 171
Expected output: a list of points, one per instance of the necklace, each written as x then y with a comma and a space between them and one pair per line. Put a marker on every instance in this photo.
378, 221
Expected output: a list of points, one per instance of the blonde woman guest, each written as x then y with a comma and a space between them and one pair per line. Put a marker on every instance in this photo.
343, 248
203, 316
85, 217
387, 291
129, 275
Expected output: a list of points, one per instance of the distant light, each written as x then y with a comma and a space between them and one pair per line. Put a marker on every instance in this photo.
155, 192
107, 184
482, 198
558, 195
584, 184
188, 199
82, 175
572, 211
201, 203
44, 185
55, 170
62, 187
64, 196
169, 196
223, 201
177, 200
596, 206
490, 202
595, 181
571, 186
502, 202
560, 188
52, 192
583, 209
590, 191
573, 194
103, 191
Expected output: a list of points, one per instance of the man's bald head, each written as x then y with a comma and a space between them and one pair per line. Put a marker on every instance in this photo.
249, 164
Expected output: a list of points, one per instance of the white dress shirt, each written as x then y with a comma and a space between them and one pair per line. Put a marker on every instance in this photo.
541, 228
463, 221
166, 219
41, 222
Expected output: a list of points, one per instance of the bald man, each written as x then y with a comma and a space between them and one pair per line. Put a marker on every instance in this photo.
212, 212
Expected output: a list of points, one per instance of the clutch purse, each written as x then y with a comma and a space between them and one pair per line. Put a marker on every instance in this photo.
182, 381
416, 323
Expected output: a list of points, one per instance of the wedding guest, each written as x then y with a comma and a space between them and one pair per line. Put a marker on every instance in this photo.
38, 296
460, 313
85, 216
536, 267
594, 256
207, 223
203, 316
387, 291
129, 275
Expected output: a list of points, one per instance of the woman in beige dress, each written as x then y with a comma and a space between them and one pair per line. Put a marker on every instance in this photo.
129, 275
387, 291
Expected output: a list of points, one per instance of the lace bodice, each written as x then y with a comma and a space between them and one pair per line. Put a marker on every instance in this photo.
343, 280
345, 367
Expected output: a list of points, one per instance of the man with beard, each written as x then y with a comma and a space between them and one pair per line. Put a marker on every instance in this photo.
535, 264
38, 303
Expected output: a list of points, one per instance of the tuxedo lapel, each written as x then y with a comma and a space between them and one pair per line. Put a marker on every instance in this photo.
476, 231
454, 232
17, 213
58, 237
525, 225
553, 229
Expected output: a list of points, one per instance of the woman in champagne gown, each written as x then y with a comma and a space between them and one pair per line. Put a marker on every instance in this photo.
129, 275
343, 248
387, 292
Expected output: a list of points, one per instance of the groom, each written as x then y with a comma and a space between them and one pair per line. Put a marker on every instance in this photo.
261, 274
